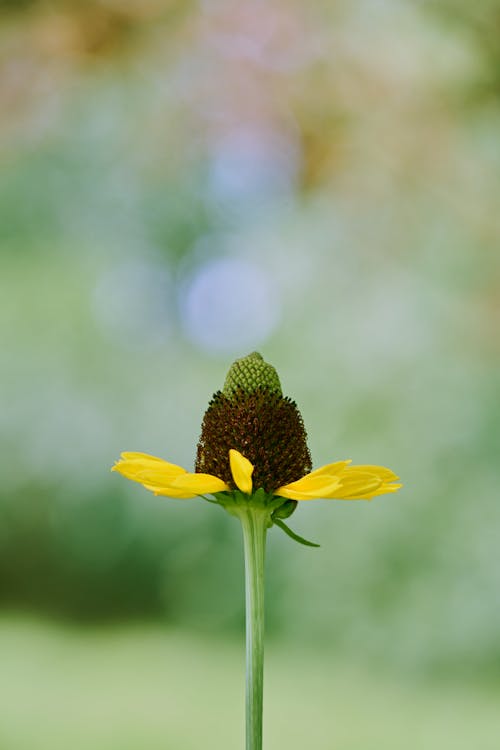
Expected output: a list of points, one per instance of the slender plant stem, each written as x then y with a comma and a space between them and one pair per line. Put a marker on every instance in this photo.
254, 522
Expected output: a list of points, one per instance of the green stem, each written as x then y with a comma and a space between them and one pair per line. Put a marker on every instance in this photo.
254, 521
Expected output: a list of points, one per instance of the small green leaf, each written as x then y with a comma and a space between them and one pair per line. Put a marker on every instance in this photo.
293, 535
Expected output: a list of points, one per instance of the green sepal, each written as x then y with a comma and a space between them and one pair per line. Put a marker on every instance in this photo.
233, 501
285, 510
258, 497
293, 535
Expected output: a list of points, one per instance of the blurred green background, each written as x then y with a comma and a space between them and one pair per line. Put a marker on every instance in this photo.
182, 183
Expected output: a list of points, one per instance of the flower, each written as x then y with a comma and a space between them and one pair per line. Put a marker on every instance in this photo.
253, 439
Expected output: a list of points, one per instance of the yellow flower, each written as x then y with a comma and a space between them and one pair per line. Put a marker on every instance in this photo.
253, 449
337, 481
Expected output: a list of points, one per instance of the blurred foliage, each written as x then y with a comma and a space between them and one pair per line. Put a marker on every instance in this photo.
480, 23
336, 149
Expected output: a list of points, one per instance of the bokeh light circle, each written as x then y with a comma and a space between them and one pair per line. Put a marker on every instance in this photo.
229, 305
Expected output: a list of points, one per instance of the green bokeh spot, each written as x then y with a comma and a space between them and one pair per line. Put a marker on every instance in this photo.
250, 373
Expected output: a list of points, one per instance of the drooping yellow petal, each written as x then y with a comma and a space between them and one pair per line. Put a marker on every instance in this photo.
159, 477
380, 471
198, 484
136, 456
340, 481
152, 472
365, 481
384, 489
309, 488
242, 470
164, 478
139, 473
356, 487
133, 465
331, 469
170, 492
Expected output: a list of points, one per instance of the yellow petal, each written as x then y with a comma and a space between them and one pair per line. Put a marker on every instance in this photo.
134, 455
242, 470
309, 487
294, 495
342, 467
198, 484
380, 471
160, 477
356, 488
385, 489
365, 481
330, 469
133, 465
164, 478
170, 492
339, 481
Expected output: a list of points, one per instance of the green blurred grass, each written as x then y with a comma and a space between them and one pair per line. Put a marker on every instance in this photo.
147, 687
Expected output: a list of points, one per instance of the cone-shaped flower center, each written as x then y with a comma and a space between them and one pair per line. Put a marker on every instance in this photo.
252, 417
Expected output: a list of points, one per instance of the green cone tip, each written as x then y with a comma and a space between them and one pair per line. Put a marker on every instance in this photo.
250, 373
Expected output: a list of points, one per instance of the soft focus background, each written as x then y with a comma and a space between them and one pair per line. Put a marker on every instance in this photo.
182, 183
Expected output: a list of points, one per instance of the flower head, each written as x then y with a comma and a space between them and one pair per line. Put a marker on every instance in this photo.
253, 443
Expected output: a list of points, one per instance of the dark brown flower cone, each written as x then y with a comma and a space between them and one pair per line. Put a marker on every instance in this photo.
253, 417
